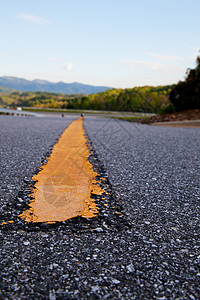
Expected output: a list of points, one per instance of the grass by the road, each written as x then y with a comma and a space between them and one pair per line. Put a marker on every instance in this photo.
51, 110
122, 115
131, 119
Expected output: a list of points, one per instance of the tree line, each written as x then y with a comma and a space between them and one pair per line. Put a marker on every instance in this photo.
186, 94
139, 99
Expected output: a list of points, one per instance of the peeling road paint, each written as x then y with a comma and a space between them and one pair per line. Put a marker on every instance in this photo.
64, 185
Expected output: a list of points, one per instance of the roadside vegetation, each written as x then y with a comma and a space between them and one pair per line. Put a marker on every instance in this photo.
138, 99
186, 94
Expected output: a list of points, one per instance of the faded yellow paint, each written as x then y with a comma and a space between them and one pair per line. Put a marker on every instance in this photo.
3, 223
64, 185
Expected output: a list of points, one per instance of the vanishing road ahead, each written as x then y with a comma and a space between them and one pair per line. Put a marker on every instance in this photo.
145, 241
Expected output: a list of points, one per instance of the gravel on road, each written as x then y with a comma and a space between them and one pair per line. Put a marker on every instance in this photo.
145, 242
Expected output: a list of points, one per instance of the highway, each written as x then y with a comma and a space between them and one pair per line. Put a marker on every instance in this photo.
145, 241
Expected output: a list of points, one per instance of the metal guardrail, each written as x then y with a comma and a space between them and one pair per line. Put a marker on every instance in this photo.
15, 112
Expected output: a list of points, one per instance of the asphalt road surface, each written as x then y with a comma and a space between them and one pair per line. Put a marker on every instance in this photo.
145, 241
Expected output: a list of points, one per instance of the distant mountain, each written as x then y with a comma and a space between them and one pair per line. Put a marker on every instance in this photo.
5, 90
24, 85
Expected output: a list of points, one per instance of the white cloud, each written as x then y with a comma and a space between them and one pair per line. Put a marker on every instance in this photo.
67, 67
164, 57
147, 65
34, 19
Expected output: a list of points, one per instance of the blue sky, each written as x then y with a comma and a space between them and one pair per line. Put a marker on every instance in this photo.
117, 43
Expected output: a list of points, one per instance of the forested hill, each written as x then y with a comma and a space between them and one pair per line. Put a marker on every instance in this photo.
38, 85
139, 99
146, 98
5, 90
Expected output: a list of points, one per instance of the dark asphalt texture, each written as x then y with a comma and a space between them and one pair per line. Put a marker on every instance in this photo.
144, 244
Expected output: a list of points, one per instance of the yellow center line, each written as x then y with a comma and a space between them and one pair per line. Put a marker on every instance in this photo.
64, 185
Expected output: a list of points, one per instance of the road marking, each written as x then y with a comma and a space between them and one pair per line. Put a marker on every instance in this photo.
64, 185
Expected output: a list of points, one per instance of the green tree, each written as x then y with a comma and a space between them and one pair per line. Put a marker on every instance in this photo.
186, 94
